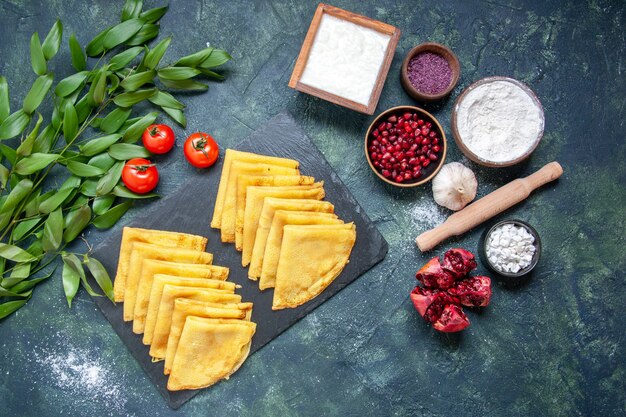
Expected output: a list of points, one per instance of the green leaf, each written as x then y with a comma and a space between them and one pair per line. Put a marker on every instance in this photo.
71, 182
14, 124
212, 74
26, 147
83, 108
135, 81
23, 227
111, 217
147, 32
43, 142
35, 162
131, 98
14, 253
83, 170
102, 161
115, 119
89, 187
31, 208
177, 73
53, 231
153, 57
153, 15
56, 116
7, 293
79, 62
17, 194
98, 87
4, 175
51, 203
164, 99
69, 85
96, 46
101, 276
98, 145
217, 58
37, 60
114, 80
109, 180
124, 192
52, 42
5, 107
189, 85
177, 115
75, 222
80, 200
194, 59
20, 271
104, 202
71, 281
11, 307
132, 9
126, 151
122, 59
27, 285
70, 123
134, 132
37, 93
122, 32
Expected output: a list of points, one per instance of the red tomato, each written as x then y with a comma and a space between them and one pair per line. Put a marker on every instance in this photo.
158, 138
140, 175
201, 150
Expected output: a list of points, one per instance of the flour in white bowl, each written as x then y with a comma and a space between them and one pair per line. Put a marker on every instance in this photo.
499, 121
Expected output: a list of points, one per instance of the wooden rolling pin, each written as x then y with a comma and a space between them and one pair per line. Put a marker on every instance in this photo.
490, 205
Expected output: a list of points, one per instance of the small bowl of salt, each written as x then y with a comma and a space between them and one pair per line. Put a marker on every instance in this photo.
511, 248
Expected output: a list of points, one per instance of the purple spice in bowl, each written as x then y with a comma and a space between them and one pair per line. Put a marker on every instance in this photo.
429, 73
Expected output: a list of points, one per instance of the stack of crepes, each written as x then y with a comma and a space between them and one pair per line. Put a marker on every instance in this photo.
187, 311
291, 239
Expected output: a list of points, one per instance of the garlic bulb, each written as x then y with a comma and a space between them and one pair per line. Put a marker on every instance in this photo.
454, 186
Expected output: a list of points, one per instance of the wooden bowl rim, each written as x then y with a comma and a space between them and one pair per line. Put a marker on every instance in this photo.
438, 49
440, 161
471, 155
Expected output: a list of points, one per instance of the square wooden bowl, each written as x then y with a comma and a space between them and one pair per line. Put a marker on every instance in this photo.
301, 62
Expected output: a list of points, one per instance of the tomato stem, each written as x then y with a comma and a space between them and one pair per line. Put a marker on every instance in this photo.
199, 145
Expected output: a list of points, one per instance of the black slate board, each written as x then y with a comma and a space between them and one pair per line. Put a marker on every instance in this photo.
180, 212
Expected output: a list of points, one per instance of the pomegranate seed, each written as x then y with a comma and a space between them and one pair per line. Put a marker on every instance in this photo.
432, 134
422, 158
417, 168
426, 141
389, 148
386, 156
410, 154
426, 163
420, 122
436, 148
387, 165
408, 128
386, 173
414, 116
384, 133
375, 133
397, 147
414, 161
414, 125
407, 116
374, 156
375, 142
399, 178
425, 131
433, 157
435, 141
382, 126
429, 125
417, 174
392, 160
408, 176
372, 149
424, 148
392, 119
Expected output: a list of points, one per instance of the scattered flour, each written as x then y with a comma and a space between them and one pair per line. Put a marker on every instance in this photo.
426, 214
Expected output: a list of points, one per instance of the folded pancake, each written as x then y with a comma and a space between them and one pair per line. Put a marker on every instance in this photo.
184, 307
237, 168
270, 205
311, 258
158, 237
224, 295
141, 251
245, 181
254, 205
151, 267
233, 155
275, 239
209, 350
158, 346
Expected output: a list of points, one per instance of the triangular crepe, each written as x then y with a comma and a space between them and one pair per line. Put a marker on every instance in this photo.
156, 294
275, 239
158, 346
245, 181
238, 168
254, 205
159, 237
184, 307
311, 258
209, 351
151, 267
141, 251
233, 155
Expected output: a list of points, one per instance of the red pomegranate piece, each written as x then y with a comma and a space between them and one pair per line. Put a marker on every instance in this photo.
452, 319
472, 291
431, 301
458, 262
432, 275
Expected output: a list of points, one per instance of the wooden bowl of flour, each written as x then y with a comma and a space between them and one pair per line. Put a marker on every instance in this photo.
477, 142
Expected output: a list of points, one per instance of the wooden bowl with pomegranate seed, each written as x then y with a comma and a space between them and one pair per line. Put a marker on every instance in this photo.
405, 146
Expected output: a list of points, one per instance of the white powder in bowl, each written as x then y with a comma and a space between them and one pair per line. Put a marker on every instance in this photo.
499, 121
345, 59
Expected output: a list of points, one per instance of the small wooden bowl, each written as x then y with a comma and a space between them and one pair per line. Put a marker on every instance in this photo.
438, 49
459, 140
432, 169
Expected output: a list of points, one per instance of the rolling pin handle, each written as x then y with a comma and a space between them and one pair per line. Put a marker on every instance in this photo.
431, 238
548, 173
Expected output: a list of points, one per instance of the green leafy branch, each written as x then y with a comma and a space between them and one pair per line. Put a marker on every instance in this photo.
39, 218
